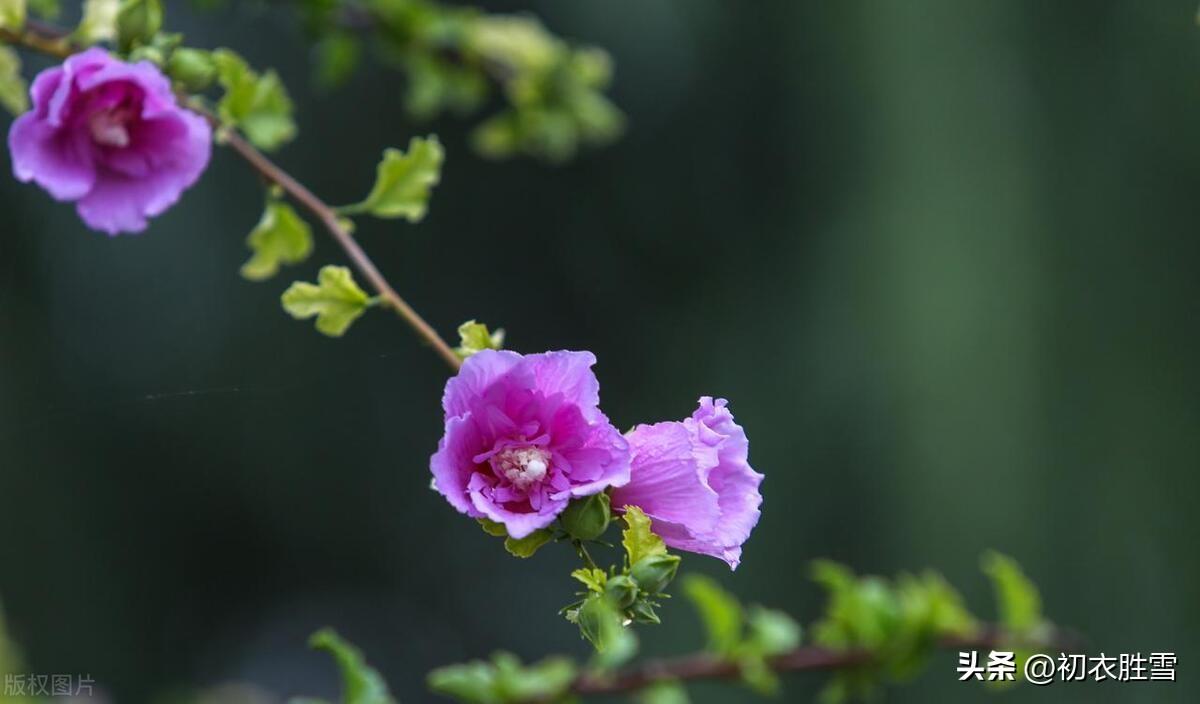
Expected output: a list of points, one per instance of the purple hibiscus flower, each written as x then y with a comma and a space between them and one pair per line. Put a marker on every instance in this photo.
694, 481
109, 136
524, 435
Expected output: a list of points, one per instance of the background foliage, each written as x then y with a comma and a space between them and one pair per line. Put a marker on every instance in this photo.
940, 255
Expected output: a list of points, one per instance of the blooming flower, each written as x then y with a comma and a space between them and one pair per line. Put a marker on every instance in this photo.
524, 434
692, 478
109, 136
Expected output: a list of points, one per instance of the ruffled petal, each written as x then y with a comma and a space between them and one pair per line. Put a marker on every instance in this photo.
669, 477
475, 379
453, 464
57, 161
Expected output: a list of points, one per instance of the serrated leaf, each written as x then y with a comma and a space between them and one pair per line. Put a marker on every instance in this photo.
281, 237
335, 300
256, 104
12, 14
719, 611
638, 538
592, 578
527, 546
492, 528
544, 681
474, 337
403, 181
360, 683
99, 22
14, 94
1017, 598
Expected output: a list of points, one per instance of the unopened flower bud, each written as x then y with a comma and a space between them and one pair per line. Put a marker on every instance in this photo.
622, 590
655, 572
587, 518
138, 21
192, 68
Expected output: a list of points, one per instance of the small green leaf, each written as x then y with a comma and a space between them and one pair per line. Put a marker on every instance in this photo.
527, 546
472, 682
99, 22
14, 95
771, 632
492, 528
257, 104
476, 338
12, 14
719, 611
1018, 601
337, 55
592, 578
638, 539
360, 683
665, 692
281, 237
544, 681
403, 181
335, 300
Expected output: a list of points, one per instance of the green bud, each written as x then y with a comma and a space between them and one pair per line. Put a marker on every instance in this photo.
595, 619
622, 590
643, 612
138, 21
192, 68
587, 518
655, 572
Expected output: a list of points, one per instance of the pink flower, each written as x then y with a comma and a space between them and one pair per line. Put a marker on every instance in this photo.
524, 435
109, 136
694, 481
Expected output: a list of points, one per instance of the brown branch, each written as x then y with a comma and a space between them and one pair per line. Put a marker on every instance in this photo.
54, 41
705, 666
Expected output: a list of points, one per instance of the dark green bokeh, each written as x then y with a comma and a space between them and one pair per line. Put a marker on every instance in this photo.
941, 256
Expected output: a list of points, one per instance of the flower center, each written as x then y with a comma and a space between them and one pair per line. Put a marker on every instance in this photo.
108, 127
522, 466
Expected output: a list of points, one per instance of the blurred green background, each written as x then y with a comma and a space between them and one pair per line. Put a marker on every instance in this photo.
941, 257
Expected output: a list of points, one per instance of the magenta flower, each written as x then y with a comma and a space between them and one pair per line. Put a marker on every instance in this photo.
693, 480
524, 435
109, 136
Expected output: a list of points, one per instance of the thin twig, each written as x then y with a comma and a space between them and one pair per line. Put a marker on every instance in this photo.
54, 41
705, 666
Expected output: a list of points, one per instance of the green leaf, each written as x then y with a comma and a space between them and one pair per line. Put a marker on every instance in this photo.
12, 14
719, 611
337, 55
492, 528
504, 679
666, 692
14, 94
473, 682
335, 300
544, 681
403, 181
771, 632
638, 539
527, 546
99, 22
1018, 600
281, 237
257, 104
592, 578
475, 337
360, 683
